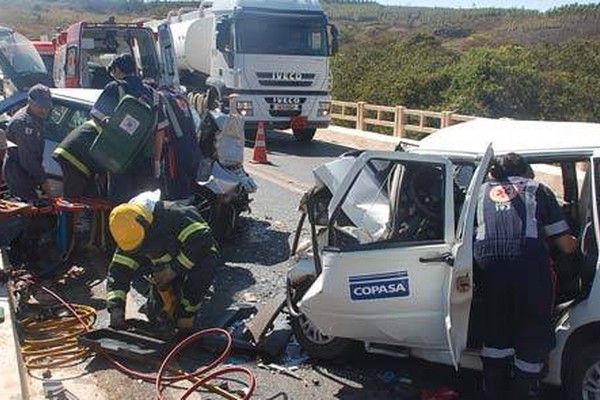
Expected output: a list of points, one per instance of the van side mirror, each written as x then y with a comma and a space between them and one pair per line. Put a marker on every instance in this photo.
224, 35
334, 41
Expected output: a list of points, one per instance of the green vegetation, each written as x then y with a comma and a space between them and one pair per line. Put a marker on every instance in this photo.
491, 62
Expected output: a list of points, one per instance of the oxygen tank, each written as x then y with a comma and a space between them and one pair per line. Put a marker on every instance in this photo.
194, 41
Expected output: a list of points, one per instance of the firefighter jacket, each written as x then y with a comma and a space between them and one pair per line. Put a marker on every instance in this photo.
178, 236
75, 148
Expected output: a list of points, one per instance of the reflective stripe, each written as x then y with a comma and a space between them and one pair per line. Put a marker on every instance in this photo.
116, 294
188, 307
529, 190
556, 228
59, 151
164, 259
530, 368
191, 228
97, 114
491, 352
183, 260
94, 125
124, 260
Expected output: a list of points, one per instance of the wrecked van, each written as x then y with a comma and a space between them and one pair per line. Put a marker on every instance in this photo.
389, 263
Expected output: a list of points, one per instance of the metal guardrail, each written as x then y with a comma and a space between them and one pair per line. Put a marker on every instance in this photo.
399, 118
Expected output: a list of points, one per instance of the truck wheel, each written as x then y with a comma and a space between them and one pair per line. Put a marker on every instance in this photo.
305, 134
318, 345
584, 380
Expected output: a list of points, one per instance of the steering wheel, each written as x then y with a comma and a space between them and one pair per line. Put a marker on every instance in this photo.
422, 187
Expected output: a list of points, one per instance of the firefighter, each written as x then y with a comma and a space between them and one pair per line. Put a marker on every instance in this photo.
78, 167
516, 218
167, 240
23, 169
142, 175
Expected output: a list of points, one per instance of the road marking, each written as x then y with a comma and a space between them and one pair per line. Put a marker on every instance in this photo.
278, 178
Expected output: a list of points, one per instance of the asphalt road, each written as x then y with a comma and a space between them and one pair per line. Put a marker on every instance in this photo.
256, 262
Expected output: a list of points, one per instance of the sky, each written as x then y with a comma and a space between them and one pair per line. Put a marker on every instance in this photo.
533, 4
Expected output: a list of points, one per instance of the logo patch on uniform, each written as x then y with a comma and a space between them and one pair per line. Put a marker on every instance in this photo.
503, 193
28, 131
379, 286
129, 124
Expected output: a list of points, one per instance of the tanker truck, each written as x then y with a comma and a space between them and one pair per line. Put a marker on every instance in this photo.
268, 60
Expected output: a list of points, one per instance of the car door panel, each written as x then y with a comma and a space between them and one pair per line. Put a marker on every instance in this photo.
388, 292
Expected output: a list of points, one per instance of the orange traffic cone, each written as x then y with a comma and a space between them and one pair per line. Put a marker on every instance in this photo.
259, 156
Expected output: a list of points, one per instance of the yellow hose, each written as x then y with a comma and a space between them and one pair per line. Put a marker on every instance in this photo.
53, 342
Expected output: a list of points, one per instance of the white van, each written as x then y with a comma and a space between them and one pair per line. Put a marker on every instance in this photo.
393, 233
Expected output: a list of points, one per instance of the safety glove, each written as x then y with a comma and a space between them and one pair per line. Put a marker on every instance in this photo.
163, 275
117, 314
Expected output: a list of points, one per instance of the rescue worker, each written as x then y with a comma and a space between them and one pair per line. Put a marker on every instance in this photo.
78, 167
180, 154
3, 147
516, 218
23, 169
143, 172
168, 240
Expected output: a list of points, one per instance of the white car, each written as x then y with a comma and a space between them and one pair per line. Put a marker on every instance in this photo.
393, 233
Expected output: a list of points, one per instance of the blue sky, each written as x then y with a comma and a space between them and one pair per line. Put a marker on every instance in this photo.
535, 4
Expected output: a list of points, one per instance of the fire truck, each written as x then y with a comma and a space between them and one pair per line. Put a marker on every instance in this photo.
46, 50
85, 49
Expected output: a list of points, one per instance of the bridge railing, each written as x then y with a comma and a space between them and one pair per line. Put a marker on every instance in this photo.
399, 119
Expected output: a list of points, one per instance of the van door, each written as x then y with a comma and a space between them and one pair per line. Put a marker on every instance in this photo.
168, 68
460, 283
385, 271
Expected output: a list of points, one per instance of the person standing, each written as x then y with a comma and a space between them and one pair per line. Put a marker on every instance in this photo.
142, 173
516, 218
23, 169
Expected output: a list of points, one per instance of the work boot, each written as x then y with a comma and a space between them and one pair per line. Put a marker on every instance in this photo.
496, 378
526, 386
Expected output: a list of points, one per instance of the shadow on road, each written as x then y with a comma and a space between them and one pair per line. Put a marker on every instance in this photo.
284, 143
258, 242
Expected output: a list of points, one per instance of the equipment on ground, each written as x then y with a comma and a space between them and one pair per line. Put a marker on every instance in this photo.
244, 54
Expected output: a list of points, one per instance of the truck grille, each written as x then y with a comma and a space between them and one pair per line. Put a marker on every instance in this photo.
285, 79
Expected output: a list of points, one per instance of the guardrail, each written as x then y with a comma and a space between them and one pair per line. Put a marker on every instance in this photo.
399, 118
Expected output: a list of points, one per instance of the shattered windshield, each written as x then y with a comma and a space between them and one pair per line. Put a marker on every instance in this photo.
272, 34
19, 53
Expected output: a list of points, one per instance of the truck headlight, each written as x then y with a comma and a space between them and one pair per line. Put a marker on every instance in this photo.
244, 108
324, 108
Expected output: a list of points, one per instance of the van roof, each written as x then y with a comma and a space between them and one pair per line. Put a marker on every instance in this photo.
506, 135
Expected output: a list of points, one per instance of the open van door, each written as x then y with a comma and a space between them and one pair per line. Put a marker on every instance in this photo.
168, 69
460, 281
20, 64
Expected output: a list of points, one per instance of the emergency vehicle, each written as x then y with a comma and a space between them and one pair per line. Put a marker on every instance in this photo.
390, 260
46, 50
85, 50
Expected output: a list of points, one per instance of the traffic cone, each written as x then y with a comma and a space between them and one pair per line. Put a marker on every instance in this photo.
259, 156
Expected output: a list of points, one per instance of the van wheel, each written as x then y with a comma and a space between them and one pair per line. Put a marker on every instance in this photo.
584, 380
317, 344
305, 134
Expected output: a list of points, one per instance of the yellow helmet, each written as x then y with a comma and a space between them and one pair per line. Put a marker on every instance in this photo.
126, 227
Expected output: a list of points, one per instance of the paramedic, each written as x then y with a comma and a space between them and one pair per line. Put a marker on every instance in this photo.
142, 173
516, 217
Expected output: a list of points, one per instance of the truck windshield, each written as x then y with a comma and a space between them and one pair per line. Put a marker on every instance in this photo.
20, 54
281, 34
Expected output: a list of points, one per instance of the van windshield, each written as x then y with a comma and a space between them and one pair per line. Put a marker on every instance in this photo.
19, 53
282, 34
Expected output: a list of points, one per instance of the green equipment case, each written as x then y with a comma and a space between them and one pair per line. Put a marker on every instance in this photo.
125, 135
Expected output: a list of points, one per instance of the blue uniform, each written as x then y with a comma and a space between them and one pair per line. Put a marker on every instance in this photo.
515, 217
23, 169
123, 187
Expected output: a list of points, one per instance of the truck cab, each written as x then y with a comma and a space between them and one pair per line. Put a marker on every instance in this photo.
390, 262
272, 56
